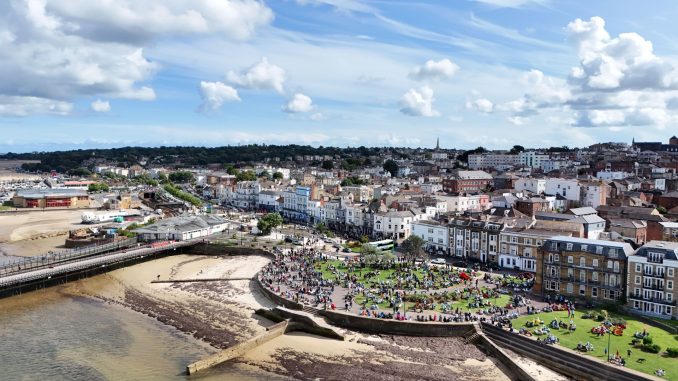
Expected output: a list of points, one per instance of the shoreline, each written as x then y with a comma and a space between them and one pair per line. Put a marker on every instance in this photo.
220, 314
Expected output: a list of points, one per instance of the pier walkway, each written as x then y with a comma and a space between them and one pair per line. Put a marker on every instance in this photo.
80, 264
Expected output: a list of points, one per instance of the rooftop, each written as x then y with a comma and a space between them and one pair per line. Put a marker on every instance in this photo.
46, 193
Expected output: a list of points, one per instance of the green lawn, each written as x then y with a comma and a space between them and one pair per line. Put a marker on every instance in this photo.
617, 343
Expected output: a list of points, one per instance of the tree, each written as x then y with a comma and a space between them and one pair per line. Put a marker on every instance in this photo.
516, 149
181, 177
162, 178
269, 222
231, 170
391, 167
96, 187
81, 172
265, 174
328, 165
413, 247
277, 175
246, 176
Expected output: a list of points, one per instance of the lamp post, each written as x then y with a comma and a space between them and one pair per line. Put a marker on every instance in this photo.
609, 336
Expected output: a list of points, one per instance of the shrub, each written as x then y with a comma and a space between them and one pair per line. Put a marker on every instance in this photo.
672, 352
652, 348
647, 340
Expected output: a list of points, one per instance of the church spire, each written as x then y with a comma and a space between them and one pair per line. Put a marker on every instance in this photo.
438, 143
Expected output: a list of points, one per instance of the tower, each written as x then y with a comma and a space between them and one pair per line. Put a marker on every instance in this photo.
438, 143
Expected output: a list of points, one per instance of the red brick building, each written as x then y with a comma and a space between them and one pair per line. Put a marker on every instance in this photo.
468, 182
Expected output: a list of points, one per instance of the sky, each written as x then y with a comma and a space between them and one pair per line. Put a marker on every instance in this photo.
539, 73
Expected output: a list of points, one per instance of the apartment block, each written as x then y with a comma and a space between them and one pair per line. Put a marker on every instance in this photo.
582, 268
652, 280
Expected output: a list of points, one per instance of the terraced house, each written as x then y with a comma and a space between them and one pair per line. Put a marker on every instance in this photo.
582, 268
652, 279
518, 247
475, 240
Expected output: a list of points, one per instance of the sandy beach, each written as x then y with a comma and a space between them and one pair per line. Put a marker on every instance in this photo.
222, 314
27, 234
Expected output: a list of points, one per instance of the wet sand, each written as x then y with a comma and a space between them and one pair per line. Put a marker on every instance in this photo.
222, 314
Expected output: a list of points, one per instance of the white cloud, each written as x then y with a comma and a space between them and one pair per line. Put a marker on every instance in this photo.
214, 94
138, 20
60, 51
299, 103
517, 120
481, 104
261, 76
418, 102
624, 62
434, 70
24, 106
101, 106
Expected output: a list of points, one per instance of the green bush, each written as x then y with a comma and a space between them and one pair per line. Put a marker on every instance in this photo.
672, 352
647, 340
652, 348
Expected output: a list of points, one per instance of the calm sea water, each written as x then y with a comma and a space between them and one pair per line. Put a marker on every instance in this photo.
48, 336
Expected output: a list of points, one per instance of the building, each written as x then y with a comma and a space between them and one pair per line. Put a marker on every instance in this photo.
532, 159
295, 204
393, 224
582, 268
669, 231
468, 182
182, 228
492, 160
530, 206
246, 195
435, 234
475, 240
657, 146
51, 198
269, 201
518, 247
634, 230
652, 280
536, 186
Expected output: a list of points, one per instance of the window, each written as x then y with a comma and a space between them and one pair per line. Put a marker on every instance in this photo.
609, 264
569, 246
669, 285
528, 241
669, 297
637, 279
670, 272
594, 276
570, 259
584, 247
582, 261
599, 250
594, 292
638, 267
556, 257
595, 263
582, 290
616, 266
569, 288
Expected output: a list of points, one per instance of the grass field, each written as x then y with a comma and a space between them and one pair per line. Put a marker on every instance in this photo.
622, 343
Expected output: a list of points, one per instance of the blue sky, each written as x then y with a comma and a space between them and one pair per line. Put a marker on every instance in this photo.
83, 73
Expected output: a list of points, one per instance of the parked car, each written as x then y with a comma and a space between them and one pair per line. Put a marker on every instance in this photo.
346, 250
438, 261
289, 239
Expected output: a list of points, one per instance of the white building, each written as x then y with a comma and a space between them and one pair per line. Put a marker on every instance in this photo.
182, 228
246, 194
492, 160
435, 235
612, 175
536, 186
532, 159
567, 188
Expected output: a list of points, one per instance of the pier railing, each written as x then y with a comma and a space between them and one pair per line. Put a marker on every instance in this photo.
55, 257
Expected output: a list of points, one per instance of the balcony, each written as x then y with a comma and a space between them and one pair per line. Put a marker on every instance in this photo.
654, 300
653, 274
654, 287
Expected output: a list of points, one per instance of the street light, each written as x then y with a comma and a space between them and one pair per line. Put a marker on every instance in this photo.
609, 336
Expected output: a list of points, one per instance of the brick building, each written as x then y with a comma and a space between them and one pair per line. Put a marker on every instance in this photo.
582, 268
51, 198
468, 182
